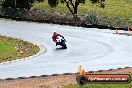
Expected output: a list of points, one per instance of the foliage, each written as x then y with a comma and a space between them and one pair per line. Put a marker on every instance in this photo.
101, 2
53, 3
18, 3
40, 0
93, 18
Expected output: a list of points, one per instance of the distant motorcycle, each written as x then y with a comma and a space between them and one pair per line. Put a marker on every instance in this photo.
61, 41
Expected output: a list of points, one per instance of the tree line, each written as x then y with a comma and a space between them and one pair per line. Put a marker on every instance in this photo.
72, 5
27, 4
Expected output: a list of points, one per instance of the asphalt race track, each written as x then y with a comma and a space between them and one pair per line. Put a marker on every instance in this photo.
94, 49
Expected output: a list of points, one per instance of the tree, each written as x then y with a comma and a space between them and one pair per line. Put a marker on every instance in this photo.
53, 3
18, 3
72, 5
101, 2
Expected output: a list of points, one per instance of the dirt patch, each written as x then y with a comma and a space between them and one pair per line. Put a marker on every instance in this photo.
39, 82
54, 81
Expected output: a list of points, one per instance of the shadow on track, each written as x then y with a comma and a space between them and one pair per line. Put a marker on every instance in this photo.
60, 48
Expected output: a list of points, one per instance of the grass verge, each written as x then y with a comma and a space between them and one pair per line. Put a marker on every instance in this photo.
12, 49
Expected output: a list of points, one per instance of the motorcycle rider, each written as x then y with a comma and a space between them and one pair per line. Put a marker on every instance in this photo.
56, 36
59, 40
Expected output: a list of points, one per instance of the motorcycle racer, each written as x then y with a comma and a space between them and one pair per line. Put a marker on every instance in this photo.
59, 39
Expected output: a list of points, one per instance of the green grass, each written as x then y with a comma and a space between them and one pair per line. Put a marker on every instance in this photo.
4, 19
129, 85
11, 49
114, 8
6, 49
101, 86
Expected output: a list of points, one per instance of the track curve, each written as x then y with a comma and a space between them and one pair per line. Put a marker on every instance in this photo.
95, 50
